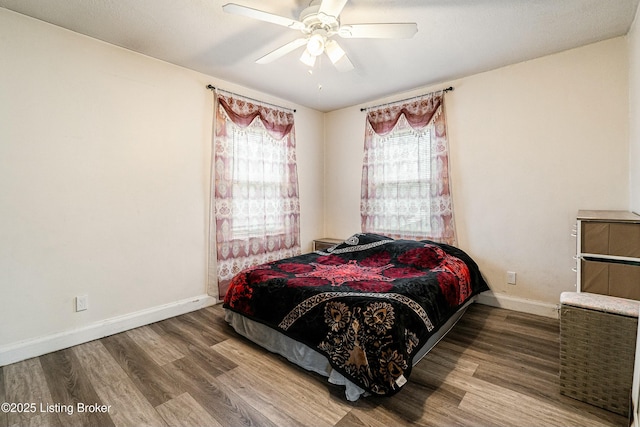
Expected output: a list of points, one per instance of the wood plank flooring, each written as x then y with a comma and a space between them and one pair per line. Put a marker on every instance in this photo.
495, 368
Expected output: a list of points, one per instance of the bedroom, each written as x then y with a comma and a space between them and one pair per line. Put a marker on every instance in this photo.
112, 202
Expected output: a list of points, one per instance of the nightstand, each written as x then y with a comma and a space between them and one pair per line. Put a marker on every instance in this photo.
325, 243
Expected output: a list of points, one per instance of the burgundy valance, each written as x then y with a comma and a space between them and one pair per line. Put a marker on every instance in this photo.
418, 113
242, 112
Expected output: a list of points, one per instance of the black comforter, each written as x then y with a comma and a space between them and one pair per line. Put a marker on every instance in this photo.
368, 304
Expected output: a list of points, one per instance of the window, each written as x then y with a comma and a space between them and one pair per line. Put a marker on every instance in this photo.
258, 174
401, 176
405, 175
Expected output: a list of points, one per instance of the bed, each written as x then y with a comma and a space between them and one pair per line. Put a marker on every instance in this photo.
361, 313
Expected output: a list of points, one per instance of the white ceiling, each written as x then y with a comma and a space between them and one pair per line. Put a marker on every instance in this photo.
455, 38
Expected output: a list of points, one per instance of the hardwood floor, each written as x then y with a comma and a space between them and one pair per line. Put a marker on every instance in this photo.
495, 368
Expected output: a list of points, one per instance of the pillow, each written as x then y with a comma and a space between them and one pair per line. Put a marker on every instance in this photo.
360, 242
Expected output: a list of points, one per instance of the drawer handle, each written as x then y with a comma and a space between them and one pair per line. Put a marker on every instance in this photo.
574, 269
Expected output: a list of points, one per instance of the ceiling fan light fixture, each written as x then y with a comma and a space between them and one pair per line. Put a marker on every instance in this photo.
307, 58
315, 45
334, 51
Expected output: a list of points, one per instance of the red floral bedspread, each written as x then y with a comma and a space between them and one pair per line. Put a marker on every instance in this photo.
368, 304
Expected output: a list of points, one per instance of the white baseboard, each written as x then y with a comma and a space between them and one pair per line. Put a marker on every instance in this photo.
519, 304
36, 347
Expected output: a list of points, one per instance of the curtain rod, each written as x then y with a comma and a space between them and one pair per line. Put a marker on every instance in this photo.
211, 87
450, 88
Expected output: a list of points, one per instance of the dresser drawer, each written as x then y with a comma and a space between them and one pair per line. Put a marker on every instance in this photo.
624, 240
611, 238
611, 278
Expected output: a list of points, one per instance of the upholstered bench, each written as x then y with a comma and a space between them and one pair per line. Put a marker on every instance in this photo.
597, 349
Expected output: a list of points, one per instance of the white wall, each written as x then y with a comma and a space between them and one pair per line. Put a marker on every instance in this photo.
634, 115
530, 145
634, 169
104, 182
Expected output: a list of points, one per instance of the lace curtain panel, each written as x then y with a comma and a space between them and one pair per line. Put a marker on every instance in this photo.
256, 212
405, 174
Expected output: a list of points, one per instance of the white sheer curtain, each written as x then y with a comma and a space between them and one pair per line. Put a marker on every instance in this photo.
405, 174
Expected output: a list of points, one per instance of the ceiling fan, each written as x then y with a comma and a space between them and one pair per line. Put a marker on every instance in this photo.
319, 23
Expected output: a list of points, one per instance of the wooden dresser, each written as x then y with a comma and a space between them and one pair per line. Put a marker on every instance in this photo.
608, 253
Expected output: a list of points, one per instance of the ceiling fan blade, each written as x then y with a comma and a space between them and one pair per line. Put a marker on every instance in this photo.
332, 7
338, 56
379, 31
281, 51
237, 9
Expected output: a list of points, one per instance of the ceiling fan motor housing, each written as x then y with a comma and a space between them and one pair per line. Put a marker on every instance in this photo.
315, 22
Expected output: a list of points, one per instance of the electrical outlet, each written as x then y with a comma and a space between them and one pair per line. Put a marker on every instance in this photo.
82, 302
511, 277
